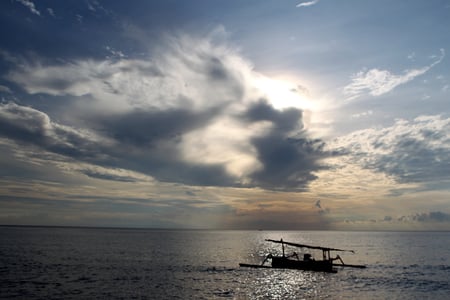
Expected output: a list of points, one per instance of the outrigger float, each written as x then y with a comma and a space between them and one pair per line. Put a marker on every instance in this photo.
326, 264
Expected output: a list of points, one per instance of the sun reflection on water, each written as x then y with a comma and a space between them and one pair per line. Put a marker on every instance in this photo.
285, 284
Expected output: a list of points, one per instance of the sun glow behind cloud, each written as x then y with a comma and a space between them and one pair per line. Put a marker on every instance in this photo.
283, 94
225, 142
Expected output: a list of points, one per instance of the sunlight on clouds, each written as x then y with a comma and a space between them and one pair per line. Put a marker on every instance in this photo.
350, 182
186, 72
207, 75
282, 94
114, 84
192, 97
225, 142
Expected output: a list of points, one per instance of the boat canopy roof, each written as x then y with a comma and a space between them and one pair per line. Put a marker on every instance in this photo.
308, 246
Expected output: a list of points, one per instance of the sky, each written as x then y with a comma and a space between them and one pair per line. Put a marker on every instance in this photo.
278, 114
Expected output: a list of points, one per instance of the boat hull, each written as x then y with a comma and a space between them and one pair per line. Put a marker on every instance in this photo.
309, 265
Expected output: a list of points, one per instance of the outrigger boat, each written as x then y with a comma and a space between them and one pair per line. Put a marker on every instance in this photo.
326, 264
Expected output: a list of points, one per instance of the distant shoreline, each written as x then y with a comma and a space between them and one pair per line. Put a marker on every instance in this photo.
199, 229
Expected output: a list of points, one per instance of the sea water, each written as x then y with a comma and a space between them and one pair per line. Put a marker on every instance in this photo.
94, 263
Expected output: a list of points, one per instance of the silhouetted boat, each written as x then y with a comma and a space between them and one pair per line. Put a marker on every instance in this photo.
326, 264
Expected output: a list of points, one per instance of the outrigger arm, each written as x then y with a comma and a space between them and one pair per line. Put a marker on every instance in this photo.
342, 264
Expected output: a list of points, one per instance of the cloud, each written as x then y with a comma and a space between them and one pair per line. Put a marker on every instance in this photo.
5, 89
415, 151
51, 12
30, 6
318, 204
306, 4
387, 219
288, 161
434, 216
95, 7
362, 114
189, 114
377, 82
27, 125
109, 175
321, 209
433, 220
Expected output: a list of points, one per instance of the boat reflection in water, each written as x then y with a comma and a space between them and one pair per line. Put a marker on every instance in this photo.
293, 261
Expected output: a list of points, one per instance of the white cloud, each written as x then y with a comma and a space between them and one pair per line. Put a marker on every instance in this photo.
31, 6
362, 114
306, 4
179, 76
184, 73
114, 53
378, 82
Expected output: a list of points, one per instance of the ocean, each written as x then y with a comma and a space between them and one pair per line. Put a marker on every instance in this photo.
99, 263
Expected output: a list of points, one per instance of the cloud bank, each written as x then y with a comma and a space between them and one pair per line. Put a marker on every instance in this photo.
190, 114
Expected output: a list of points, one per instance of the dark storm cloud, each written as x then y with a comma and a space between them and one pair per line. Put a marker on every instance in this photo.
142, 128
288, 162
283, 121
